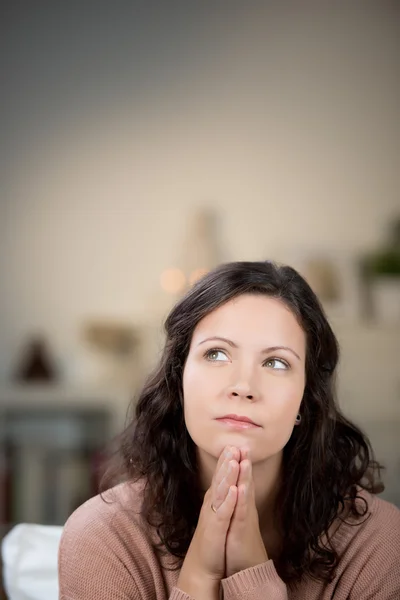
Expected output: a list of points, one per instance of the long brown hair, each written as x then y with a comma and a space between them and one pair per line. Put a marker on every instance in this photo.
330, 458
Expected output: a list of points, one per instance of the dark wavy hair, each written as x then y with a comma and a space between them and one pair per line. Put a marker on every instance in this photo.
326, 462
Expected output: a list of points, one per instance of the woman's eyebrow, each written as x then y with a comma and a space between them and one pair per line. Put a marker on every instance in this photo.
221, 339
265, 351
273, 348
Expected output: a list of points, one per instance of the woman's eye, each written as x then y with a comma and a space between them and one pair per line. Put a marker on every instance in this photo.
216, 355
276, 363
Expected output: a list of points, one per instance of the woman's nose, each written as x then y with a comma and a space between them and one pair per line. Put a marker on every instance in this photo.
242, 390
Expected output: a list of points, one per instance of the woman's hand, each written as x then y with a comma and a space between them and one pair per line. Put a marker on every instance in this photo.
204, 564
244, 544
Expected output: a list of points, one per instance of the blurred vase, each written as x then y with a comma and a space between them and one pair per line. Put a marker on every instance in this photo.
36, 363
385, 293
200, 250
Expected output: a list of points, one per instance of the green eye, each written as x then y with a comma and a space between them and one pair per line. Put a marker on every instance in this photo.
277, 364
215, 355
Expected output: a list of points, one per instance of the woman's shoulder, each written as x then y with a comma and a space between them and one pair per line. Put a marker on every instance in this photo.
122, 499
385, 513
369, 547
109, 518
106, 541
380, 515
379, 520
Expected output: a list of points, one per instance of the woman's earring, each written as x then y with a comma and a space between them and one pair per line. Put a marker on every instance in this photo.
298, 419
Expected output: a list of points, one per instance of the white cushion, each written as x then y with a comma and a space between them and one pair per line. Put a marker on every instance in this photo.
30, 557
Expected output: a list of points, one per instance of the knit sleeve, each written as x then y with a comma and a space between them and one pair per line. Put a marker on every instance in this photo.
257, 583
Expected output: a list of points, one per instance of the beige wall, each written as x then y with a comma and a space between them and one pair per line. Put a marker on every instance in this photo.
288, 127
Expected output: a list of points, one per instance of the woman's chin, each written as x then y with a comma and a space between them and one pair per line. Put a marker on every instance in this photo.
237, 438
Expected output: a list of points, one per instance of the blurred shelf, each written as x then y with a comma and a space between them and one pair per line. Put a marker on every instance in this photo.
61, 397
49, 393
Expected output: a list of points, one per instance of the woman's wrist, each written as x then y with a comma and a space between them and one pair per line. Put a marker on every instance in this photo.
198, 585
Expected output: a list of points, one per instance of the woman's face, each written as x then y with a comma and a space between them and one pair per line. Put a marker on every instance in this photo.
246, 359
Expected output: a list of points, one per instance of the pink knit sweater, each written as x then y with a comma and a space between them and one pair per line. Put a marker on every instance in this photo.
106, 554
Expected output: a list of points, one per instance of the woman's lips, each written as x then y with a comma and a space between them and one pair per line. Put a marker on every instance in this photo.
237, 424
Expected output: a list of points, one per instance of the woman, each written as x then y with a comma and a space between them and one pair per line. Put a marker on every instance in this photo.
242, 478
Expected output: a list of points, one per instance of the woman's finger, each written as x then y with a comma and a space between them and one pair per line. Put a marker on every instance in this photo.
230, 479
244, 488
244, 453
226, 509
220, 470
245, 475
229, 453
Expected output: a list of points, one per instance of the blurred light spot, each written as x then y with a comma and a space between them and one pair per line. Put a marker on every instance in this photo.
196, 275
172, 280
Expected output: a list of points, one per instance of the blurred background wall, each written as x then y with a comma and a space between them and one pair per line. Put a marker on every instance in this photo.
120, 121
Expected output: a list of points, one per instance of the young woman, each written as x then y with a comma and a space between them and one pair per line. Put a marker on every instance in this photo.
240, 477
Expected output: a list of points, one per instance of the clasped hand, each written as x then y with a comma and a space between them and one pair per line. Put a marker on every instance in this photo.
227, 539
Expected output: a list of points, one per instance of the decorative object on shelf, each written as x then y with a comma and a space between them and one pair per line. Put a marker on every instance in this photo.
200, 250
115, 338
381, 270
113, 350
200, 253
36, 364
